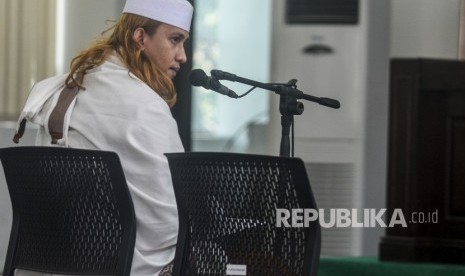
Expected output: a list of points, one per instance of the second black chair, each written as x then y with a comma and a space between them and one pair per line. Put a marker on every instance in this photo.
228, 207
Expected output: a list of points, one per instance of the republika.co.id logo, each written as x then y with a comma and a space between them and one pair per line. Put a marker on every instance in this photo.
340, 217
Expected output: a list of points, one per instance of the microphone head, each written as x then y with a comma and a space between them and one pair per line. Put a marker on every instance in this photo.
330, 103
197, 77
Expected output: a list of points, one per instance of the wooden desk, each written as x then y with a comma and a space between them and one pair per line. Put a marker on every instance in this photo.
426, 160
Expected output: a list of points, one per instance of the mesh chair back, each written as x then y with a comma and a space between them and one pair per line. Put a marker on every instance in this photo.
227, 207
72, 211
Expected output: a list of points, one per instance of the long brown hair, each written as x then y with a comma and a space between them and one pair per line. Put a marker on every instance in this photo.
121, 41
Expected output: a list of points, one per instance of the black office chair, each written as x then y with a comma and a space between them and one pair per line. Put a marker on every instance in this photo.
227, 206
72, 212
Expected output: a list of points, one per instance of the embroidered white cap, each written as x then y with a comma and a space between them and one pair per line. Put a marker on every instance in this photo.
173, 12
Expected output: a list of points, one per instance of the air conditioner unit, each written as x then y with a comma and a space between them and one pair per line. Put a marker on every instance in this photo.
338, 50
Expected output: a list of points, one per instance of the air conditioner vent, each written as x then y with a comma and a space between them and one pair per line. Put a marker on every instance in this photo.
322, 11
333, 187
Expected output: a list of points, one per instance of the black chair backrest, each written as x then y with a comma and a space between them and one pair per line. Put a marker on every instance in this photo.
227, 205
72, 211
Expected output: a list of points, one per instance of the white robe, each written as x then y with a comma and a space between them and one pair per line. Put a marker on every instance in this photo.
118, 112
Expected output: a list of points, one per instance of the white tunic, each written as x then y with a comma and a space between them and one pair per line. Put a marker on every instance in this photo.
118, 112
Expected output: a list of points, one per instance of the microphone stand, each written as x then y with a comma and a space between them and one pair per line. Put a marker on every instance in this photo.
288, 107
288, 104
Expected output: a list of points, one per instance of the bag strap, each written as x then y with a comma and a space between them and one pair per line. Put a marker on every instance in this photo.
20, 132
57, 117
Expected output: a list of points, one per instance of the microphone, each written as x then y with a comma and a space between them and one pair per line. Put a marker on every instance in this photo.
197, 77
282, 90
221, 75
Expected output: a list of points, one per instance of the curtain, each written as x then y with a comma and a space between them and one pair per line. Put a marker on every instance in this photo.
27, 50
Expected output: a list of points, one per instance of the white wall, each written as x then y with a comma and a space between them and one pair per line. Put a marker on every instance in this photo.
425, 28
374, 173
79, 23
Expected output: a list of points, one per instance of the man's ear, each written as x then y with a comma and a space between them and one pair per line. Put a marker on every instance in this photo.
138, 37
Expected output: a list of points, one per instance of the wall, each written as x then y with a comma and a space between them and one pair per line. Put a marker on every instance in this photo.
376, 120
81, 22
424, 28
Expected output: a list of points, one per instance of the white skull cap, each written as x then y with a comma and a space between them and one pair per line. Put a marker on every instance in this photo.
173, 12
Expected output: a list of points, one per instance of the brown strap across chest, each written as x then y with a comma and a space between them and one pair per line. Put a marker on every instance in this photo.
57, 117
20, 132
